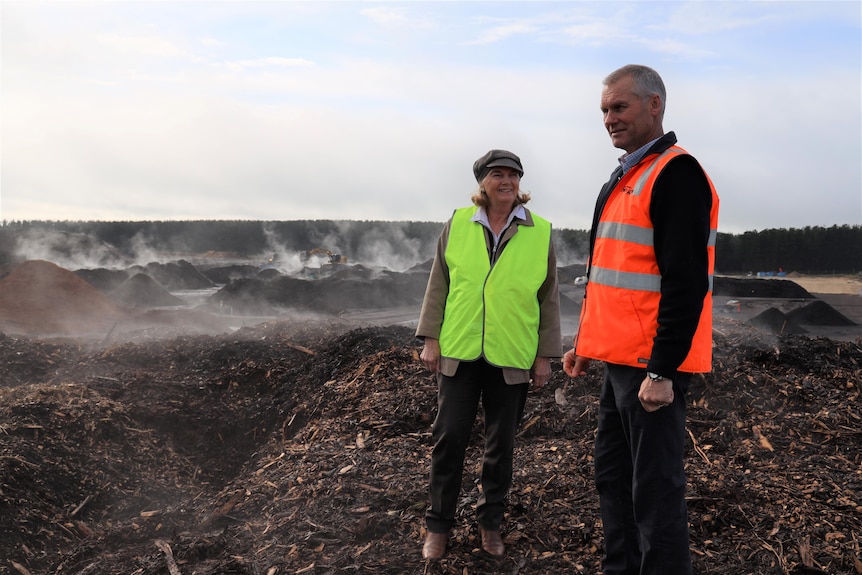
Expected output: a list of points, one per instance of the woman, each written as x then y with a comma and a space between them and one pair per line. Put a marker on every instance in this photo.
491, 324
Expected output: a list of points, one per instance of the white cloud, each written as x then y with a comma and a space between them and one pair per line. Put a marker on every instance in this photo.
268, 62
226, 110
400, 18
502, 32
143, 46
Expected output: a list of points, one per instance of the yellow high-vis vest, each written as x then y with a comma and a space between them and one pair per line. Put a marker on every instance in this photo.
493, 312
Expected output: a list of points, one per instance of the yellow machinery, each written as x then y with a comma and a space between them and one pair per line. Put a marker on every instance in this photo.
333, 258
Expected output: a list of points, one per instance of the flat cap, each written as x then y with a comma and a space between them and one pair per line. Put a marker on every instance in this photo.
496, 158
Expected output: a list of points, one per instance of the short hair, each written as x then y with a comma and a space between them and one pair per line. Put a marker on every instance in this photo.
646, 81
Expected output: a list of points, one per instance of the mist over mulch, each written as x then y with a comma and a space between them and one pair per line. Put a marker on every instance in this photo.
299, 446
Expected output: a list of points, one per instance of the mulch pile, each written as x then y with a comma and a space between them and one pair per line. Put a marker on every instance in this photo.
39, 297
303, 447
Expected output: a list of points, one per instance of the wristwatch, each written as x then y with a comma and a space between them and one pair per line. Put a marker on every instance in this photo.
655, 376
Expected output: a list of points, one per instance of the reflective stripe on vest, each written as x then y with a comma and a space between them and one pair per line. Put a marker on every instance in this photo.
619, 318
630, 280
494, 311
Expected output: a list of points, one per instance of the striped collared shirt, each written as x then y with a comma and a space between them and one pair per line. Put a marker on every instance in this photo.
629, 160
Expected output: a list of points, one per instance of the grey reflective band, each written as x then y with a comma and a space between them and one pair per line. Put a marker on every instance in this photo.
637, 234
625, 232
625, 280
629, 280
642, 180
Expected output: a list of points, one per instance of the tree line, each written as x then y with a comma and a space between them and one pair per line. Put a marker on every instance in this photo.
809, 250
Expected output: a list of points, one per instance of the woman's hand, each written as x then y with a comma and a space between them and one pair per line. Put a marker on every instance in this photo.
430, 355
540, 373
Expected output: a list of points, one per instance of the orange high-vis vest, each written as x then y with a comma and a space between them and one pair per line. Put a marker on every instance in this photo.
619, 318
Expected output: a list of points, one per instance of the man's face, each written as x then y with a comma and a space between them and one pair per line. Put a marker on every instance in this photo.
630, 121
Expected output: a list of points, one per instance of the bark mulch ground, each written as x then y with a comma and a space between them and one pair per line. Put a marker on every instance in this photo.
303, 447
144, 446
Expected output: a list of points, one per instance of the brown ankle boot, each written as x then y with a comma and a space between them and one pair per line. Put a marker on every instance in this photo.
492, 542
435, 545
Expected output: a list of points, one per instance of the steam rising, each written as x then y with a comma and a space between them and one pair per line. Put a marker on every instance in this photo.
385, 245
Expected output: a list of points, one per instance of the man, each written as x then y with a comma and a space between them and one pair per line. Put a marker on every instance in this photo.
647, 314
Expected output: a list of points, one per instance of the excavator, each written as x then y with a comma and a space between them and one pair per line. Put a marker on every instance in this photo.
333, 258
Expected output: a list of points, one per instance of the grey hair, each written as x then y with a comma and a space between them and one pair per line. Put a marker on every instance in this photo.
647, 82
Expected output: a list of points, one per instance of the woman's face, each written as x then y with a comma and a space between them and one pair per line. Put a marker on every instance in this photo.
502, 186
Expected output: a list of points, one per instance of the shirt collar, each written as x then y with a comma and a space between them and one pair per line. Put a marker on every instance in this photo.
481, 216
627, 161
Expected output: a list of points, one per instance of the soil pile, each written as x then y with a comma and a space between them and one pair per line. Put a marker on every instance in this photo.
41, 298
764, 288
142, 290
776, 321
105, 280
303, 447
801, 308
221, 275
328, 289
178, 275
339, 289
818, 313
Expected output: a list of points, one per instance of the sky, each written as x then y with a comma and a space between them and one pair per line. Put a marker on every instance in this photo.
277, 110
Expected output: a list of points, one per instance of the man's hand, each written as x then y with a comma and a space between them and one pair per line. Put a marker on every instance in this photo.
655, 394
575, 365
430, 355
540, 373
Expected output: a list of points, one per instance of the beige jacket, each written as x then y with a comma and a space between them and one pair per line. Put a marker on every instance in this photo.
433, 306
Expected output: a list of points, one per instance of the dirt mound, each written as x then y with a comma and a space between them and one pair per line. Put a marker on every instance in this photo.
221, 275
765, 288
141, 290
267, 274
347, 288
303, 448
776, 321
103, 279
175, 276
818, 313
41, 298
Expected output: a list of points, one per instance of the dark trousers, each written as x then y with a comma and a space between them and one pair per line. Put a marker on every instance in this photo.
641, 479
457, 406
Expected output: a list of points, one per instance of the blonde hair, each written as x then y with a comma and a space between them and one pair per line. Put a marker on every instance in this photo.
480, 198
